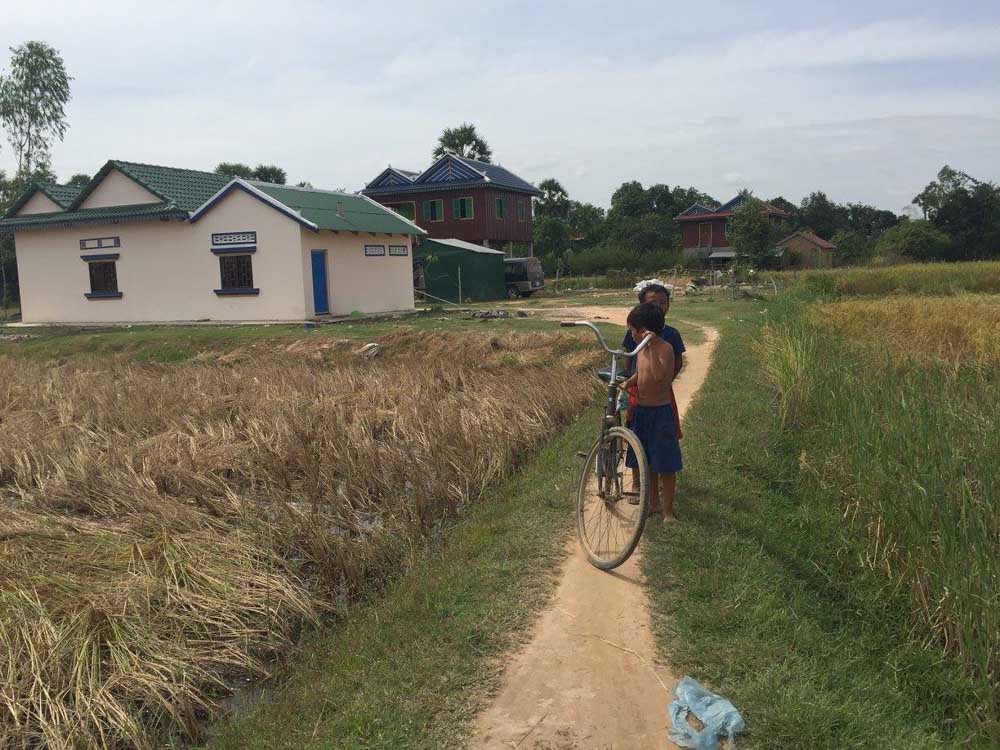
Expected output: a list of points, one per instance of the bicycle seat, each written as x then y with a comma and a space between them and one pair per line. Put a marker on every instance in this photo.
605, 375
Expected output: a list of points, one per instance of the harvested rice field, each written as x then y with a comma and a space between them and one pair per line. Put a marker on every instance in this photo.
167, 529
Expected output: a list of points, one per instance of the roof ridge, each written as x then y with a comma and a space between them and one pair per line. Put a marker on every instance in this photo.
304, 189
163, 166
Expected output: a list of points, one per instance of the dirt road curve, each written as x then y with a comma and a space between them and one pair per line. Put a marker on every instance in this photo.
589, 677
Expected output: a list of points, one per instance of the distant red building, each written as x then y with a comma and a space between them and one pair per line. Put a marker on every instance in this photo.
459, 198
706, 232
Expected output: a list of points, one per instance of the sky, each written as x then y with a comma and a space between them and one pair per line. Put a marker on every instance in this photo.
863, 99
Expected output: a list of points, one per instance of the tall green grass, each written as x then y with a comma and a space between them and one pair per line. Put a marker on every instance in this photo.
907, 449
912, 278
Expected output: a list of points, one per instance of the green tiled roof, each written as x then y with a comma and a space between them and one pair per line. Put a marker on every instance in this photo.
185, 188
93, 215
356, 213
184, 191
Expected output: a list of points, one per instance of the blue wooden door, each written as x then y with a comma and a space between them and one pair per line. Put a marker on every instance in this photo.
320, 300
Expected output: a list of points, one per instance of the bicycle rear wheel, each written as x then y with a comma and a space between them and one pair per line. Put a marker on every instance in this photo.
609, 522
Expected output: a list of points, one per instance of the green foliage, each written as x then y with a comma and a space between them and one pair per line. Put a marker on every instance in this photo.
79, 180
604, 258
821, 215
262, 172
853, 247
554, 202
752, 232
551, 235
235, 169
917, 240
33, 98
465, 141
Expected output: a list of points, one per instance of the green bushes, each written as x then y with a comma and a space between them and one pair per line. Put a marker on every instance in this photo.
600, 259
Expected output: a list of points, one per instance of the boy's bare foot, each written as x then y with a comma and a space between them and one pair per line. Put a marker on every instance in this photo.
669, 517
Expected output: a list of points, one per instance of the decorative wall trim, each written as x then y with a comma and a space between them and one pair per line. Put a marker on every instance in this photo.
399, 250
373, 251
100, 256
100, 243
234, 238
237, 250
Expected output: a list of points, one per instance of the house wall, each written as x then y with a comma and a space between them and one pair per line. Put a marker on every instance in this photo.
118, 190
39, 203
355, 281
483, 226
690, 233
166, 270
804, 254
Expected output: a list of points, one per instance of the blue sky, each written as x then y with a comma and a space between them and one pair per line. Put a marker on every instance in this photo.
865, 100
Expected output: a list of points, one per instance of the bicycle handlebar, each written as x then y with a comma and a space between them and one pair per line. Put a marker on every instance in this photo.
597, 332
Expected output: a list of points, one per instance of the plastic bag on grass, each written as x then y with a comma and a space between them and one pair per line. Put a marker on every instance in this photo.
719, 717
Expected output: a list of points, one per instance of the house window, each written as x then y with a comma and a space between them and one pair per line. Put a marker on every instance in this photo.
236, 273
522, 211
406, 210
400, 250
234, 238
374, 251
434, 210
501, 209
103, 276
461, 208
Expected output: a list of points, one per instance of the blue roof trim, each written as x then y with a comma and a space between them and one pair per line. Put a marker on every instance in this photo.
449, 169
391, 177
238, 184
450, 172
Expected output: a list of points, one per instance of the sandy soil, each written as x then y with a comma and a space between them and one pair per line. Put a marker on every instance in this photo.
589, 677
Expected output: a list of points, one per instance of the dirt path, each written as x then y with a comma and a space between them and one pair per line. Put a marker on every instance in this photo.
589, 677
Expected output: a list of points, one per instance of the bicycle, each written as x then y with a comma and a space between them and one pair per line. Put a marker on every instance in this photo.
609, 518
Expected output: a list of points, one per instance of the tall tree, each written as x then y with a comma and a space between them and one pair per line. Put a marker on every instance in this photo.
822, 215
752, 231
948, 181
554, 200
463, 141
33, 99
270, 173
235, 169
79, 180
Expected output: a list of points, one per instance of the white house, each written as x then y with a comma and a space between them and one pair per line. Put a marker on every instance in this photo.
147, 243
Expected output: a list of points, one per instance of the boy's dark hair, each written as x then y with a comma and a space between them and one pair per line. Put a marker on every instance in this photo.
647, 317
652, 289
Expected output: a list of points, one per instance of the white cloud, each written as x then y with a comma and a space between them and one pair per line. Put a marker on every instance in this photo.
335, 91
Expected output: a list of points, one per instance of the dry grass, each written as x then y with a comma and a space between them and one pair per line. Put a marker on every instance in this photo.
166, 530
931, 330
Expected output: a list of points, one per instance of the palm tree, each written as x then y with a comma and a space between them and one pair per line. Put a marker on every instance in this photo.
463, 141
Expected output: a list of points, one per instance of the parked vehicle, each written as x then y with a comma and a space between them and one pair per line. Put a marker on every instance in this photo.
524, 276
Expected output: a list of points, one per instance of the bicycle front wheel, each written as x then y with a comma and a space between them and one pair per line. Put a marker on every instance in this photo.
612, 499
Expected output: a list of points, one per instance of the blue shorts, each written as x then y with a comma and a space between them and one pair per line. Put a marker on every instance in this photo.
656, 430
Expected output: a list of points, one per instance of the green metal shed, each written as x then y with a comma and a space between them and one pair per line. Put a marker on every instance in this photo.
459, 271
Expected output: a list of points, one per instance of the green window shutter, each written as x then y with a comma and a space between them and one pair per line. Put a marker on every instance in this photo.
468, 208
427, 210
456, 208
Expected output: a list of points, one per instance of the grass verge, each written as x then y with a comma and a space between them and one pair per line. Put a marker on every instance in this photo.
779, 589
409, 670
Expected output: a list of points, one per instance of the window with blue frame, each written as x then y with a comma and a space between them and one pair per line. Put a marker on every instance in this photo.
434, 210
103, 274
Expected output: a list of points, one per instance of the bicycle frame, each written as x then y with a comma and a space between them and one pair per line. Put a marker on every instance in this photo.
611, 415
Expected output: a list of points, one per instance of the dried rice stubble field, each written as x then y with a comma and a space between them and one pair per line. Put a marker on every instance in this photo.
166, 530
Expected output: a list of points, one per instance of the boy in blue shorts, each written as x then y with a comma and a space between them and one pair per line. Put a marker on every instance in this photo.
654, 420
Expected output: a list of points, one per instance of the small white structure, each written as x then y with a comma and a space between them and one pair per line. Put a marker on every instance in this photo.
146, 243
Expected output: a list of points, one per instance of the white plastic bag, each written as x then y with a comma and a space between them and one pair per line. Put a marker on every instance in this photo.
719, 716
